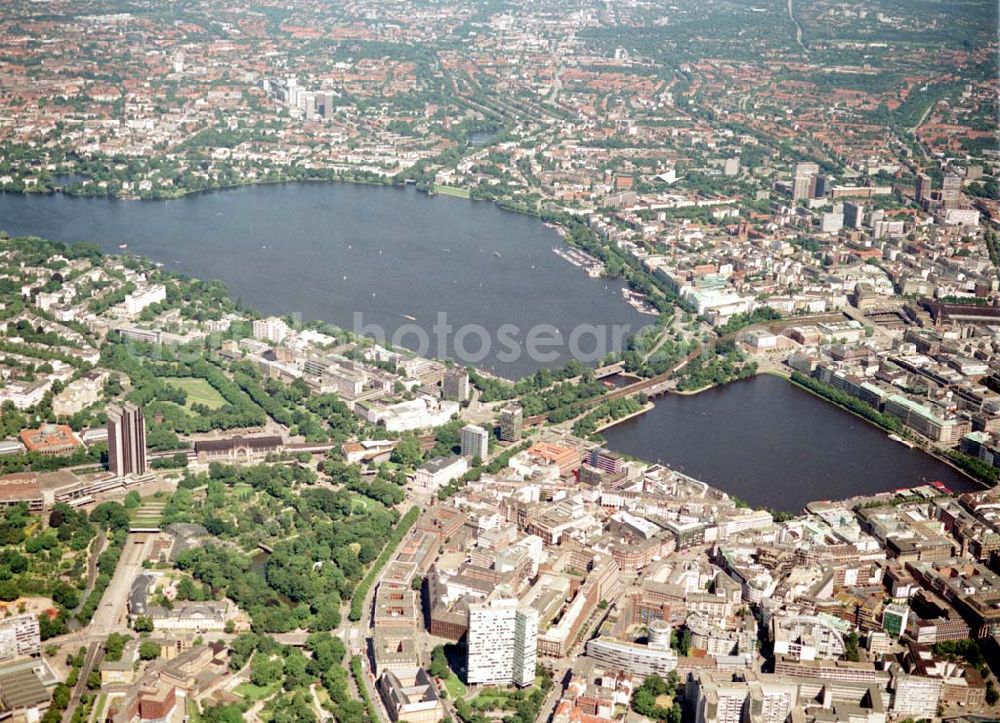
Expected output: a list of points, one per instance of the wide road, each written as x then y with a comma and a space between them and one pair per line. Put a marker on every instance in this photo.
110, 615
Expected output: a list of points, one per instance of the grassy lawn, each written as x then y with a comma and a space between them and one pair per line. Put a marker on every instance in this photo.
451, 191
455, 687
500, 698
360, 503
99, 705
191, 709
198, 391
491, 698
256, 692
148, 514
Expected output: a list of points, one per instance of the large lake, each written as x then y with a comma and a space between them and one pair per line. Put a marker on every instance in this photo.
773, 444
332, 251
327, 251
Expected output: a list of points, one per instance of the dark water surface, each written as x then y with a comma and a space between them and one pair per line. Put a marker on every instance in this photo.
406, 257
775, 445
327, 251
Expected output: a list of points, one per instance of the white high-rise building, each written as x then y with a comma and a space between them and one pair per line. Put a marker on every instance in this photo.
502, 643
271, 329
475, 441
525, 645
307, 103
141, 298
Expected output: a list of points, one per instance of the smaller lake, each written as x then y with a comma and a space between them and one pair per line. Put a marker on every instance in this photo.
775, 445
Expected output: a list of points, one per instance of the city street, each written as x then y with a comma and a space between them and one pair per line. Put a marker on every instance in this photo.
111, 613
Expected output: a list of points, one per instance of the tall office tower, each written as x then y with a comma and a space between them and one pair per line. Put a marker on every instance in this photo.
854, 214
525, 645
804, 180
324, 104
502, 643
475, 441
801, 187
923, 191
511, 418
308, 105
455, 385
950, 189
126, 440
821, 187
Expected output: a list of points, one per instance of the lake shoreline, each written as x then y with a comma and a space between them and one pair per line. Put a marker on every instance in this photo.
929, 451
358, 258
391, 220
191, 192
649, 406
738, 442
